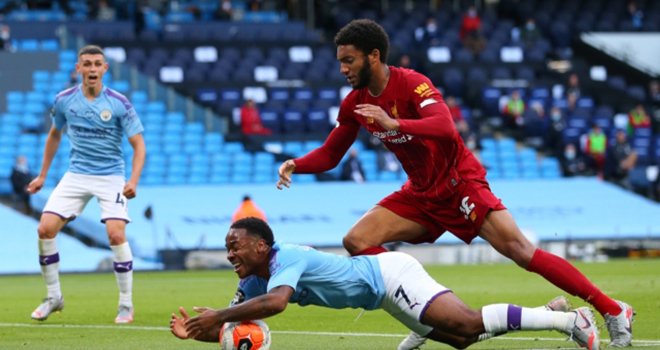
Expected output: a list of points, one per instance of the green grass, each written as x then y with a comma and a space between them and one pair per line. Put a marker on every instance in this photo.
91, 299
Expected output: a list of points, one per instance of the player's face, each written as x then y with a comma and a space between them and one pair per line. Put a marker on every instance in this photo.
355, 66
92, 67
243, 252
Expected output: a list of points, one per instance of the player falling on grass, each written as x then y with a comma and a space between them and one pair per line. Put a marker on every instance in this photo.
275, 274
97, 118
446, 188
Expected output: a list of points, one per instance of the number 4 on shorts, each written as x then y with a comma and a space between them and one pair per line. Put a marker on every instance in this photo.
119, 199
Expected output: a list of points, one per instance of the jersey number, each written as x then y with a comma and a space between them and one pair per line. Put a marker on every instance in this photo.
403, 294
119, 199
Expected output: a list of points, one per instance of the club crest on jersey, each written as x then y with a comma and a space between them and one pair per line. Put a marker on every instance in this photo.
395, 112
89, 115
369, 120
106, 115
423, 90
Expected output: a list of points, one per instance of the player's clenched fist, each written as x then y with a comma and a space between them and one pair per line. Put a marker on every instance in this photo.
286, 169
130, 190
36, 185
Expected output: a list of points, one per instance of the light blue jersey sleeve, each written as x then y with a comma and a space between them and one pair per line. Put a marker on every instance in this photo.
286, 268
128, 117
248, 288
57, 113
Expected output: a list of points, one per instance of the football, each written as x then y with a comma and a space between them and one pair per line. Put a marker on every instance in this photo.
251, 335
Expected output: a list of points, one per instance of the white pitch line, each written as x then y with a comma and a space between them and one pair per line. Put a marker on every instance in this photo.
641, 342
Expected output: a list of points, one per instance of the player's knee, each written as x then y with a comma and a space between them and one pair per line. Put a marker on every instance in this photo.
46, 232
354, 243
468, 326
520, 252
116, 237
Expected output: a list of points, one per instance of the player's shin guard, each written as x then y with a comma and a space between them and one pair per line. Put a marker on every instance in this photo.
123, 261
500, 318
563, 275
49, 259
371, 251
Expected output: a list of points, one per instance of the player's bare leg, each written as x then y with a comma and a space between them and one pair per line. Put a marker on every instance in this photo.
501, 231
379, 226
123, 264
49, 225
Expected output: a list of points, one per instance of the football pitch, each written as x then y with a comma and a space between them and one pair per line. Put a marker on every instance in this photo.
91, 305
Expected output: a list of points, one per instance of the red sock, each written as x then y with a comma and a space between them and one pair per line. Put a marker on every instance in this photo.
371, 251
565, 276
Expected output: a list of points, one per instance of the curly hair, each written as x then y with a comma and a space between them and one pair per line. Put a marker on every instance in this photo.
256, 227
366, 35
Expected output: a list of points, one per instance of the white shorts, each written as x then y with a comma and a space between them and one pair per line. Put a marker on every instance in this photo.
409, 290
74, 191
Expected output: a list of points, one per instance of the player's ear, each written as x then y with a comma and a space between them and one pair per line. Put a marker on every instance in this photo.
374, 57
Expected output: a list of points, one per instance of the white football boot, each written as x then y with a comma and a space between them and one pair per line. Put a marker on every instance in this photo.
48, 306
620, 326
584, 331
125, 314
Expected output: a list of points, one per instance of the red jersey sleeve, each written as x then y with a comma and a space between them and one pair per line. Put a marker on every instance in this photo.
436, 120
339, 141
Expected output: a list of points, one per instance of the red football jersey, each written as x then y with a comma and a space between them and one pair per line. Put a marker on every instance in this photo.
427, 144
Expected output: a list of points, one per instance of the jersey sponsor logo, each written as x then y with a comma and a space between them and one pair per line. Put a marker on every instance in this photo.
392, 136
425, 103
423, 90
467, 208
106, 115
91, 133
239, 297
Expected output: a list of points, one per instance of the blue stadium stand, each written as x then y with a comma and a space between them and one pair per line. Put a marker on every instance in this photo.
552, 209
19, 251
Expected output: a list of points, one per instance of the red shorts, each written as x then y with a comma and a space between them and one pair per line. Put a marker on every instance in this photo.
462, 214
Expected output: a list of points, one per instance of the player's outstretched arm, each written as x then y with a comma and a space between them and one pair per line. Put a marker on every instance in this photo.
178, 328
139, 154
52, 144
266, 305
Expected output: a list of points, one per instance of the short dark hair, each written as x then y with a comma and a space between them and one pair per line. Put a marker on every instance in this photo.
91, 50
256, 227
366, 35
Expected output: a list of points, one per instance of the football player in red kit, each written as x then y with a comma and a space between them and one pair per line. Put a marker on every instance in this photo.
446, 188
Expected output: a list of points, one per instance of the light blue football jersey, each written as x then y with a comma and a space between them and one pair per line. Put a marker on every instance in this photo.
319, 278
96, 129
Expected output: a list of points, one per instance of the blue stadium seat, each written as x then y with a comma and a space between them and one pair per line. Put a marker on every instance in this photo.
139, 96
279, 94
28, 45
293, 121
329, 94
175, 118
233, 147
239, 178
156, 107
192, 148
50, 45
172, 148
293, 147
68, 56
15, 97
317, 120
197, 179
194, 128
41, 76
219, 179
262, 178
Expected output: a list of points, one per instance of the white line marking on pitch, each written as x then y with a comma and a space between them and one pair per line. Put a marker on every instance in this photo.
641, 342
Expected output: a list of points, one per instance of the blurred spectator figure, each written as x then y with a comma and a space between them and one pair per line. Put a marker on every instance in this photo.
513, 111
621, 159
387, 160
635, 15
572, 164
470, 138
637, 119
251, 121
224, 11
255, 5
104, 11
529, 34
454, 109
573, 87
406, 62
654, 92
596, 147
471, 32
352, 168
248, 209
554, 140
73, 79
429, 34
5, 39
654, 99
572, 101
20, 178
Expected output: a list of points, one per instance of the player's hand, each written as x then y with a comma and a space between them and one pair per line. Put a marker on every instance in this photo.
36, 185
286, 169
203, 323
379, 115
177, 324
130, 190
